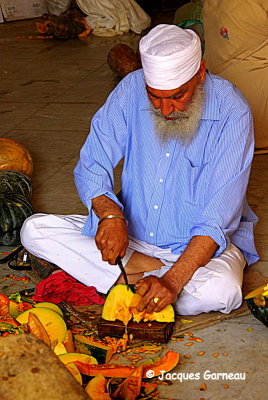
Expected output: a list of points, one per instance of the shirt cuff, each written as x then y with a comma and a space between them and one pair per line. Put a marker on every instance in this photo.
215, 233
91, 224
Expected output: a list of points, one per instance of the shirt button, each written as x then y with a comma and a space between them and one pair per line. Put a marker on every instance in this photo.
151, 234
156, 207
167, 154
161, 180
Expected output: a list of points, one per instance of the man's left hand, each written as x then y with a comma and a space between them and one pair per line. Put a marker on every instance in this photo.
156, 293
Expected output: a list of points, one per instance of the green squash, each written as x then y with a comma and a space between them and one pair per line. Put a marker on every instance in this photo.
15, 181
257, 302
14, 209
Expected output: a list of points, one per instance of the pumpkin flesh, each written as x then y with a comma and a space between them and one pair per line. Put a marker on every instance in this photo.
121, 304
68, 342
96, 388
130, 388
166, 363
37, 329
51, 321
4, 305
51, 306
72, 368
98, 349
82, 361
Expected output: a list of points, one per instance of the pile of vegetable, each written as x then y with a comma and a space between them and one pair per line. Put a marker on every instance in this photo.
16, 167
88, 358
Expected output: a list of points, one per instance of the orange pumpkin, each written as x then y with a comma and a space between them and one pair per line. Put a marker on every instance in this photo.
14, 156
122, 60
121, 304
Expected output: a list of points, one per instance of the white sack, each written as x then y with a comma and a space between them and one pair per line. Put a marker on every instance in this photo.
114, 17
57, 7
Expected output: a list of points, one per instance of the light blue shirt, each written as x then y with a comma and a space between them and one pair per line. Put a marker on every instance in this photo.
172, 192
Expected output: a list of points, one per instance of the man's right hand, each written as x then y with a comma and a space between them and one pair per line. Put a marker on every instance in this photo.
112, 239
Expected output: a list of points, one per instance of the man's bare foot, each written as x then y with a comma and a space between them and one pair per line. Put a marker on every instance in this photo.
56, 271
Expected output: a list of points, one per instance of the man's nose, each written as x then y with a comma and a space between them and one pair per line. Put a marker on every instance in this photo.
167, 106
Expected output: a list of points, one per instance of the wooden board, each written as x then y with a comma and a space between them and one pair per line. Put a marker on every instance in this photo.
160, 332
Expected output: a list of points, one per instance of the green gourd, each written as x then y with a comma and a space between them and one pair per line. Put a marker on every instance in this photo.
14, 209
15, 181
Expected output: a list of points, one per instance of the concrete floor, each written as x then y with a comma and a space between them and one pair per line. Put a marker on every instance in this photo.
49, 91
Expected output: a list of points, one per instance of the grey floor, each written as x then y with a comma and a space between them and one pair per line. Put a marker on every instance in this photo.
49, 91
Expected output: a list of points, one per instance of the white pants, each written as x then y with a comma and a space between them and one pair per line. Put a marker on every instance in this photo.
58, 239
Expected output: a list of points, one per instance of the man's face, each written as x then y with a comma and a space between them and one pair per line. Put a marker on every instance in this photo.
168, 101
177, 112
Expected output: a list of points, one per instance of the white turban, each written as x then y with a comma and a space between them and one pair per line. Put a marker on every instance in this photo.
170, 56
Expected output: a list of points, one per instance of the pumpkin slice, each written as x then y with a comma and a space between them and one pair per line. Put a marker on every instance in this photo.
37, 329
51, 306
77, 357
13, 308
130, 388
17, 308
68, 342
4, 305
82, 361
6, 325
257, 302
7, 319
263, 290
59, 349
107, 370
52, 322
96, 348
121, 303
166, 363
24, 306
96, 388
75, 372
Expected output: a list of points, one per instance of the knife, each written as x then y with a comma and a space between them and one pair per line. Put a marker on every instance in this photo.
120, 265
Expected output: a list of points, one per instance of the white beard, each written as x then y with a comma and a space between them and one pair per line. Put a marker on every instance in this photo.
185, 123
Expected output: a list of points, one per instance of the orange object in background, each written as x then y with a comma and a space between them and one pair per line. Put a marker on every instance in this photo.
14, 156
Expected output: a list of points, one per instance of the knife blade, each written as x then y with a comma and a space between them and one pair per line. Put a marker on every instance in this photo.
120, 265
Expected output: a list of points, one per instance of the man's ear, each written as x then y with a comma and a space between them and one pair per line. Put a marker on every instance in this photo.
202, 72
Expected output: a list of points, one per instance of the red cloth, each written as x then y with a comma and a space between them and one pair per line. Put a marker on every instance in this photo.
63, 287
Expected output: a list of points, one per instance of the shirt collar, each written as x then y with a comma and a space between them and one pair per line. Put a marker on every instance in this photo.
211, 107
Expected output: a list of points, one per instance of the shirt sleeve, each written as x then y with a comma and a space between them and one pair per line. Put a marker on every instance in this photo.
101, 152
227, 181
